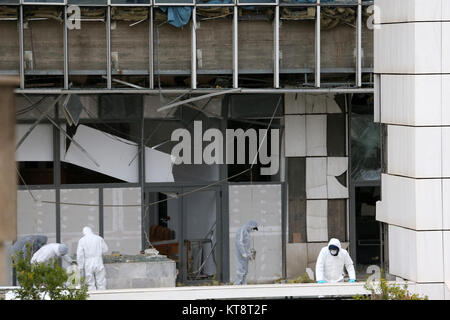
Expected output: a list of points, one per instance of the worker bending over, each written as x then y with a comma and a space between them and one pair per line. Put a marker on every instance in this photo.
243, 251
90, 249
51, 251
331, 261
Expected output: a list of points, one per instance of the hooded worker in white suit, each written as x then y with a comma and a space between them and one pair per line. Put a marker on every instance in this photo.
90, 249
243, 251
331, 262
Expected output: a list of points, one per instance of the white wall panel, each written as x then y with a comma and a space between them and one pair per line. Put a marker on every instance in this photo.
414, 255
408, 48
414, 151
317, 220
295, 126
409, 10
411, 99
316, 178
316, 135
294, 103
411, 203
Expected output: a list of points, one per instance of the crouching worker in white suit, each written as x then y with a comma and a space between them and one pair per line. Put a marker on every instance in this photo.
331, 261
90, 261
51, 251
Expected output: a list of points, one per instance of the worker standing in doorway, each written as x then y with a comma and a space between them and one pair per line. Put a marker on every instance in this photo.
331, 261
90, 249
243, 251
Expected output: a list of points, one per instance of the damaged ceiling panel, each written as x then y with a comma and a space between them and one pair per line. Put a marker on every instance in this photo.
158, 165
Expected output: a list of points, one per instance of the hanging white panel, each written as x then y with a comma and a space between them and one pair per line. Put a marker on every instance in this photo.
117, 157
261, 203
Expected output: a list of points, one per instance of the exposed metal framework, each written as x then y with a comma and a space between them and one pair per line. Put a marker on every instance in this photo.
357, 4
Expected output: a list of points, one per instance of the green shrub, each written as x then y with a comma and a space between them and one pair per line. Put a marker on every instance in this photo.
382, 290
40, 281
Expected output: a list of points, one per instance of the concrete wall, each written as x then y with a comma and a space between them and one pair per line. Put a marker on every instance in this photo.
411, 57
140, 274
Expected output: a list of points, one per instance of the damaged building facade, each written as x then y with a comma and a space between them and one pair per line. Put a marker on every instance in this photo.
102, 85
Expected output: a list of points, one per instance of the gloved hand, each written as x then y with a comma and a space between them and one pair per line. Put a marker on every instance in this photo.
245, 256
253, 254
321, 281
351, 280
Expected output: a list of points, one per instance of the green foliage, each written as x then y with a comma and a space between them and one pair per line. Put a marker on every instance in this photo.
382, 290
40, 281
304, 278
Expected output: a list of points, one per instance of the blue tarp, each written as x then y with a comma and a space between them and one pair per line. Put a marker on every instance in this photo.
180, 16
177, 16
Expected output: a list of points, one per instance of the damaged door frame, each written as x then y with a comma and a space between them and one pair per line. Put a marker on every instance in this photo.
353, 184
183, 190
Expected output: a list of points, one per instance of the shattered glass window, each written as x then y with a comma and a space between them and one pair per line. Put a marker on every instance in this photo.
365, 145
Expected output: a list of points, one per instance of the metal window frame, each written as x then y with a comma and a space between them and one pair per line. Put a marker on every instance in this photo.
24, 2
258, 4
358, 70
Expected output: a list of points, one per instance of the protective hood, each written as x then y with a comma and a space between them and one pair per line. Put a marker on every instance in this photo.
335, 242
251, 225
87, 230
62, 249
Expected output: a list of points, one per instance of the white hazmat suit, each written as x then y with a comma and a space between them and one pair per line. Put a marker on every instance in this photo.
243, 251
51, 251
90, 249
330, 268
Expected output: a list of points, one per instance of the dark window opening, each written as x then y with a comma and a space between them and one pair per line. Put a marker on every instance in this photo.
368, 244
35, 172
72, 174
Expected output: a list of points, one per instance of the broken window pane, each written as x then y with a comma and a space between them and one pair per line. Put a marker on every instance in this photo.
365, 141
337, 44
129, 46
162, 223
255, 47
43, 45
122, 225
201, 237
197, 156
88, 49
75, 217
297, 39
171, 51
36, 217
214, 47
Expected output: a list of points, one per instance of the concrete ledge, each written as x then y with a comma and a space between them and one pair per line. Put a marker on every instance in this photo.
273, 291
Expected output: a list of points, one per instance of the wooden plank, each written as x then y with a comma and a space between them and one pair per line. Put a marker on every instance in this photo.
8, 178
337, 223
297, 199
